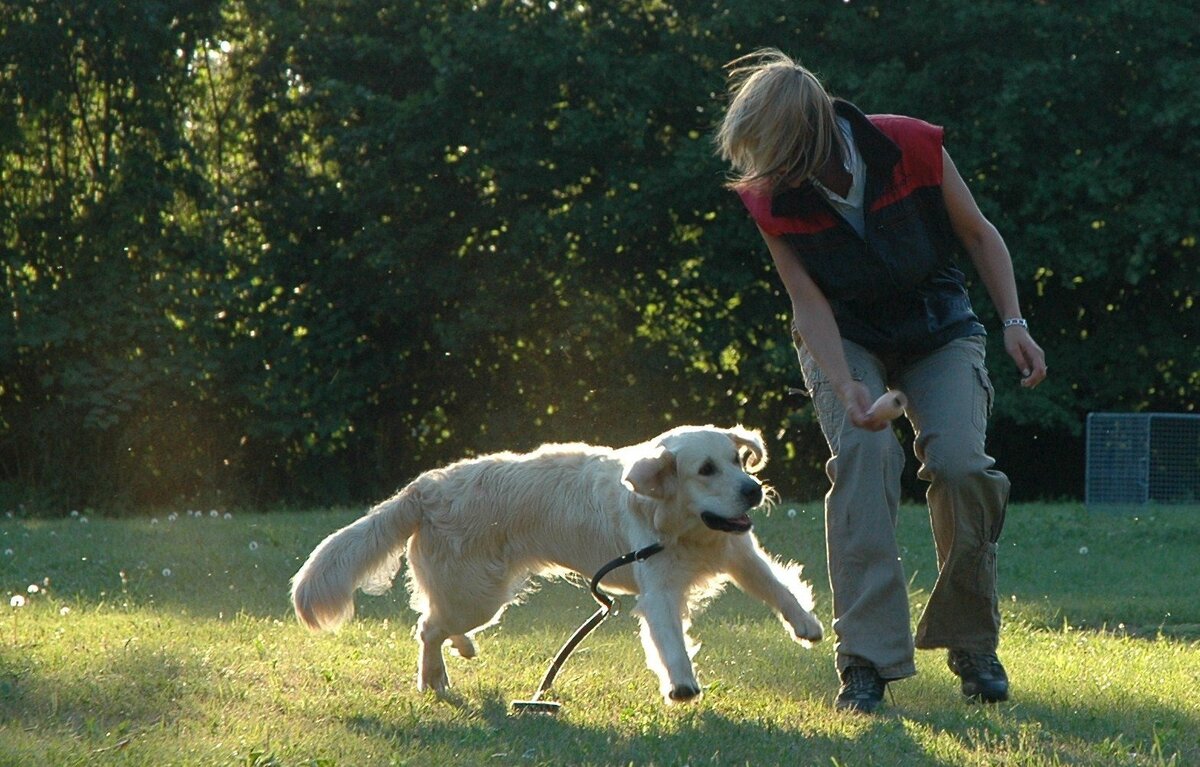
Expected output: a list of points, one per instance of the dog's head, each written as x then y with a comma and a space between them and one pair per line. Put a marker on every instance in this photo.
702, 471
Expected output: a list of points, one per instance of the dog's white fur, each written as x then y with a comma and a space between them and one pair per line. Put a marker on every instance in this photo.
475, 531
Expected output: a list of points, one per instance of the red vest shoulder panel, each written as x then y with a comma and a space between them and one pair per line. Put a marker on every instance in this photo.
920, 166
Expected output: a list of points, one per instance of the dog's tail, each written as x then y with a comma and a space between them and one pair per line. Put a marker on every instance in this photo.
364, 554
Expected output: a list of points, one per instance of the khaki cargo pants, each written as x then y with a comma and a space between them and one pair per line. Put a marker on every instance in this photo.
949, 401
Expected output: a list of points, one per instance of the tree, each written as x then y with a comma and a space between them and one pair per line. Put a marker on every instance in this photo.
260, 252
94, 168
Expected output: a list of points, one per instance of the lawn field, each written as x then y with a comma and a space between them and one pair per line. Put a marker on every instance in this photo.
169, 640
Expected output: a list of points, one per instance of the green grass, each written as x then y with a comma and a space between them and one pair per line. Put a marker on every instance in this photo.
171, 642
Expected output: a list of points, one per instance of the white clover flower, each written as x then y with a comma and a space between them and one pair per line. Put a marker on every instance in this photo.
16, 601
166, 572
172, 517
791, 513
154, 520
64, 610
83, 520
228, 515
74, 513
1083, 549
214, 513
8, 552
33, 588
254, 545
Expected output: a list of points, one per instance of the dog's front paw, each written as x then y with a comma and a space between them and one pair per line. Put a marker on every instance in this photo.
808, 628
681, 693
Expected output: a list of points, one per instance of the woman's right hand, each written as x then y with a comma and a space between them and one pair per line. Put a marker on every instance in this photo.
857, 402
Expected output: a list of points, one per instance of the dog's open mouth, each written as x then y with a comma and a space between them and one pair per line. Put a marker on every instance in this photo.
740, 524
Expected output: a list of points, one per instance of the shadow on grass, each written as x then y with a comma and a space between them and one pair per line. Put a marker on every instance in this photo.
1052, 726
1033, 732
492, 733
1133, 733
199, 565
130, 689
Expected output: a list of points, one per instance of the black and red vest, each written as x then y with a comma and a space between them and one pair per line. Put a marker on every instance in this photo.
896, 289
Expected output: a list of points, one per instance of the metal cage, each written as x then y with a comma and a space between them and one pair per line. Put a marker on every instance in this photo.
1135, 459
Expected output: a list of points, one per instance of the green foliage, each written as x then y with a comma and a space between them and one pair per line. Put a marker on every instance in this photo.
95, 252
257, 252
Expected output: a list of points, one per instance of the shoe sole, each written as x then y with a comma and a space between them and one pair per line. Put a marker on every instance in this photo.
985, 697
985, 700
858, 707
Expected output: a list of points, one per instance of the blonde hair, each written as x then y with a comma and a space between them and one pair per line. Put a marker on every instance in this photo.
779, 127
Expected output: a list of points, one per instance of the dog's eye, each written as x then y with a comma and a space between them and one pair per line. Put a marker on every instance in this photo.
708, 468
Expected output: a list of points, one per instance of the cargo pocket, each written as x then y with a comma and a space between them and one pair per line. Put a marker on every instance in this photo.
980, 575
985, 397
972, 571
985, 580
830, 413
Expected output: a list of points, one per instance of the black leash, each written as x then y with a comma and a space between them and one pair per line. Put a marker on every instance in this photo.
608, 605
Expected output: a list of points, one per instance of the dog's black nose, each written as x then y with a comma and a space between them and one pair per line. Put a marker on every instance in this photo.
753, 493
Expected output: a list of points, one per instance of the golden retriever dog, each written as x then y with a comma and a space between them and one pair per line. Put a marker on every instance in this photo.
474, 533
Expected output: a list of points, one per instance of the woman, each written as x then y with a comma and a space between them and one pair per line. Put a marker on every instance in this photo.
863, 217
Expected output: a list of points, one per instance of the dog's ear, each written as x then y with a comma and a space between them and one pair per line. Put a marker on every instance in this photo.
652, 475
751, 447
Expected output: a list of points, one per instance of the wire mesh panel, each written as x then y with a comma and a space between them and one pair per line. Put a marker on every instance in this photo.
1138, 458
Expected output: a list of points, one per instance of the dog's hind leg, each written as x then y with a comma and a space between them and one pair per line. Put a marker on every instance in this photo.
431, 666
457, 602
463, 645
